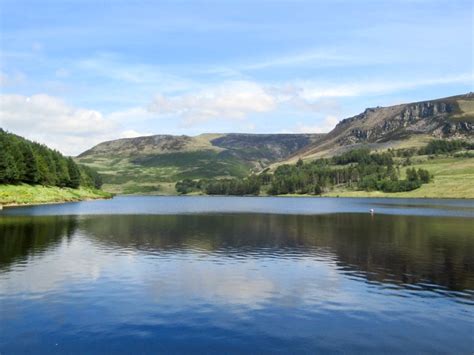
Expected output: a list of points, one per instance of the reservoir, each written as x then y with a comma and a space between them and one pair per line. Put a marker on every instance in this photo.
237, 274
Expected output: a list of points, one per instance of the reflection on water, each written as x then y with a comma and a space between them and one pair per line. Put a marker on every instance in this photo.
22, 236
236, 282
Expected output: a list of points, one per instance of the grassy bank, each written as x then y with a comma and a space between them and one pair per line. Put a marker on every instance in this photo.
27, 194
453, 178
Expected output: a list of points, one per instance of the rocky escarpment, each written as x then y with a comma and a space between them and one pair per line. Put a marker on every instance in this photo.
384, 124
451, 117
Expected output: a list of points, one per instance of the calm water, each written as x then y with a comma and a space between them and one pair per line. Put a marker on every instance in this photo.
227, 275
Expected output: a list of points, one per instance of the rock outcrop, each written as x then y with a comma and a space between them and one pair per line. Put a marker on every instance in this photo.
451, 117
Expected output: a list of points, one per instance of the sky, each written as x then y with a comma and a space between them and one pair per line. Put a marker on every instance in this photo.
76, 73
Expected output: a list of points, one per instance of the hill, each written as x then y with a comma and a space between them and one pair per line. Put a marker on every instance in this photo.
400, 126
33, 173
441, 169
153, 164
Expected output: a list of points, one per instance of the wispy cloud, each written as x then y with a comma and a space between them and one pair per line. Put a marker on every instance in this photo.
311, 90
227, 101
315, 58
11, 79
111, 66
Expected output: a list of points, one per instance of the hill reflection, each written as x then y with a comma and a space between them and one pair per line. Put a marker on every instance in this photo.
398, 250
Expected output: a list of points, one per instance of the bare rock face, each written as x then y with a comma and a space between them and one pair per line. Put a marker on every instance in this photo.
451, 117
437, 118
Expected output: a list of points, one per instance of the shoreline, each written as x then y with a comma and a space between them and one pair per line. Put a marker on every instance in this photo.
27, 204
55, 202
30, 195
300, 196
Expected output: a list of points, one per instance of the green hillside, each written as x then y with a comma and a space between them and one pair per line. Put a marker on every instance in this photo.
453, 177
441, 169
154, 164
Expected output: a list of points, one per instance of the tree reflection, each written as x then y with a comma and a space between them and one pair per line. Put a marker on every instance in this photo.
395, 249
21, 237
403, 250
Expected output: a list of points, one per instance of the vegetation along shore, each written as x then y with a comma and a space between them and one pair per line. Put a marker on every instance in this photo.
31, 173
441, 169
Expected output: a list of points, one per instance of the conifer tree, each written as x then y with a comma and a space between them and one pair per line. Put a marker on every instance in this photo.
8, 171
62, 171
23, 161
74, 174
32, 174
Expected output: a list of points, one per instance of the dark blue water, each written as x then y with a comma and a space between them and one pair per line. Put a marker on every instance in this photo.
238, 275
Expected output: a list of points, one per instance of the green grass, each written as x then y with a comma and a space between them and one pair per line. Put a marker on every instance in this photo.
157, 174
465, 111
141, 189
37, 194
195, 165
453, 178
154, 168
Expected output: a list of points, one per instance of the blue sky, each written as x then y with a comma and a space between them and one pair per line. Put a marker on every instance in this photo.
74, 73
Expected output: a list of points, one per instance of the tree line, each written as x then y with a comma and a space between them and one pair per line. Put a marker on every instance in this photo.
435, 147
357, 169
24, 161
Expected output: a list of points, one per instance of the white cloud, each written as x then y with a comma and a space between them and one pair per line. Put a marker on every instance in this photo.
131, 133
228, 101
47, 113
71, 130
51, 121
324, 127
131, 115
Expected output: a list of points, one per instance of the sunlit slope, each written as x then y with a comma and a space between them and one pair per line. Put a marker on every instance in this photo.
453, 178
37, 194
153, 164
400, 126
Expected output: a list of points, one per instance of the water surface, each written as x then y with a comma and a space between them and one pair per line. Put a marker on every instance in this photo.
277, 205
238, 275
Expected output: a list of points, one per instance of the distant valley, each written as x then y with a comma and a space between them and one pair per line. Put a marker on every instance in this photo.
153, 164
